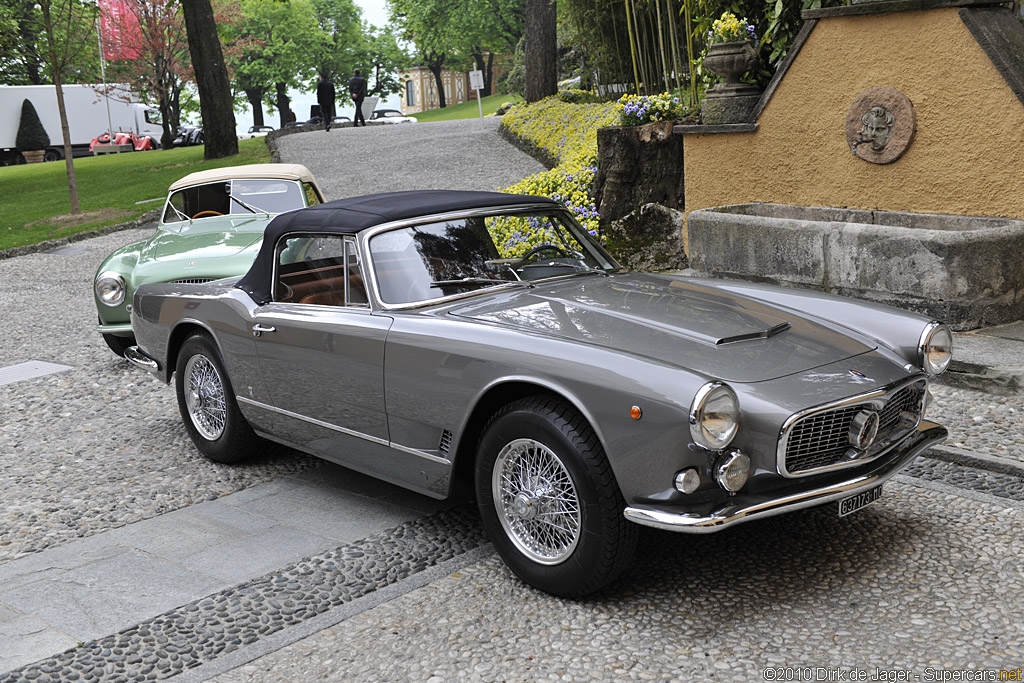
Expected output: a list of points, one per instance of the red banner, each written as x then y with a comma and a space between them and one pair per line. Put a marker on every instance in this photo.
120, 30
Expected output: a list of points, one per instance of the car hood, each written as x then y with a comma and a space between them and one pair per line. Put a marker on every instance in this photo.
199, 254
693, 326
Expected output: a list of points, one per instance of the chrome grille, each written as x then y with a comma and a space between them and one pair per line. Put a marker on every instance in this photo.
192, 281
819, 440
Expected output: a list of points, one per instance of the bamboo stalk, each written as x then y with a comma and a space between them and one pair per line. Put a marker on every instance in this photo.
632, 44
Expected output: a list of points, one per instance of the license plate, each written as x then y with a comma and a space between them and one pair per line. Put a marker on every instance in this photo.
856, 502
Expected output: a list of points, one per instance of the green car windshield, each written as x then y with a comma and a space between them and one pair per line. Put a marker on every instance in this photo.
239, 197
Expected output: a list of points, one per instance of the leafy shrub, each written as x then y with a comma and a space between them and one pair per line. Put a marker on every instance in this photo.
566, 132
31, 134
636, 110
575, 96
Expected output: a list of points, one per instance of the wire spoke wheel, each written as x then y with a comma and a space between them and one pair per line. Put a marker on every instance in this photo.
536, 501
204, 397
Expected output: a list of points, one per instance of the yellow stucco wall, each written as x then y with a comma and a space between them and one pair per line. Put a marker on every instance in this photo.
967, 156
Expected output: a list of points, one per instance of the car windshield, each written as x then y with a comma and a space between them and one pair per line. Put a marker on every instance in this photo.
239, 197
436, 260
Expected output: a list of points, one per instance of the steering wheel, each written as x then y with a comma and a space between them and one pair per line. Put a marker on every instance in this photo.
537, 250
208, 212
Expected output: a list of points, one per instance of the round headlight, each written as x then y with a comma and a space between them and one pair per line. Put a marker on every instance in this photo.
110, 289
714, 416
936, 348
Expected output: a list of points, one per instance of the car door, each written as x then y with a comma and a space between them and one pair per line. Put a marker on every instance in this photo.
321, 348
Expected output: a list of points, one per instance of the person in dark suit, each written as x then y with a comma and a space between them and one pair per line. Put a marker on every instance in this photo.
357, 88
325, 98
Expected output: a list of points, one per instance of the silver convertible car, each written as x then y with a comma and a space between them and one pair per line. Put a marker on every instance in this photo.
421, 337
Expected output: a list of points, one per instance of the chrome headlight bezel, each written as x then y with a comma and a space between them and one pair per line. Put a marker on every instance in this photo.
708, 405
935, 348
110, 289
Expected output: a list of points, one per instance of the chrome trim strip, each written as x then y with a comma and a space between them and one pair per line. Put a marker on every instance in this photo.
787, 426
113, 328
928, 434
135, 356
343, 430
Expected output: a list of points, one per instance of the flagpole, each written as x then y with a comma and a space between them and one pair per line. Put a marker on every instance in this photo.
103, 76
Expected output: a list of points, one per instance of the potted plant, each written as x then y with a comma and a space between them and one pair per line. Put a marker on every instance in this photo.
732, 50
32, 139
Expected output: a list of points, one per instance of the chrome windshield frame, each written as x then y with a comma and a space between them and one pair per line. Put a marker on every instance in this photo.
367, 257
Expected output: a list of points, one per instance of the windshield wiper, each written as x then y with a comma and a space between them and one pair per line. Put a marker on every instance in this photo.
477, 281
247, 206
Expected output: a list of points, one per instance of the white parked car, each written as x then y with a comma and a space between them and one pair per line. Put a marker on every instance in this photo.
391, 116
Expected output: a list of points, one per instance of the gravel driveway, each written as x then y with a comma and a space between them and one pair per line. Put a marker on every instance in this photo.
447, 155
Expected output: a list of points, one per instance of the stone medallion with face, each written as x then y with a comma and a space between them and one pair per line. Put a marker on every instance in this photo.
880, 125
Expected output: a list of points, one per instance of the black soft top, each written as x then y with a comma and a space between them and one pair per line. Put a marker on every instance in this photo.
352, 215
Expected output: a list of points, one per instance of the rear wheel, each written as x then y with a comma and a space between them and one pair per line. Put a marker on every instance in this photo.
52, 154
549, 500
207, 404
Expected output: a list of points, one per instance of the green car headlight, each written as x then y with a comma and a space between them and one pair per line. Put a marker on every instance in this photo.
110, 289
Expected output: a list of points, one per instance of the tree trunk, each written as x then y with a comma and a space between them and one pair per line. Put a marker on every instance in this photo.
255, 97
283, 102
435, 65
215, 103
69, 162
541, 50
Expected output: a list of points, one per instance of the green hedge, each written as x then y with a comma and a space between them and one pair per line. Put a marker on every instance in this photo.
568, 134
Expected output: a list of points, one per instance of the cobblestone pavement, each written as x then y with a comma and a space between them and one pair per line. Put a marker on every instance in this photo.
929, 576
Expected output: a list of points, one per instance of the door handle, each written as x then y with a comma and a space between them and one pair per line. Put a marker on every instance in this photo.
258, 329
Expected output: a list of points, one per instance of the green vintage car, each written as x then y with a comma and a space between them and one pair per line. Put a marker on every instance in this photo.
211, 227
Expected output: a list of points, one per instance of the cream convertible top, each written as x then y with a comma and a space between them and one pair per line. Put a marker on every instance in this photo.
288, 171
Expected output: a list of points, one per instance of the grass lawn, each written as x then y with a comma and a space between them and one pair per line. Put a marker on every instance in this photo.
467, 110
34, 204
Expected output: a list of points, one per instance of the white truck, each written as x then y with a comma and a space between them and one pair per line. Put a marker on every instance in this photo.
86, 107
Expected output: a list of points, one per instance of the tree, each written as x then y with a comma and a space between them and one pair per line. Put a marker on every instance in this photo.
268, 46
211, 76
490, 27
155, 57
74, 24
24, 51
541, 50
433, 27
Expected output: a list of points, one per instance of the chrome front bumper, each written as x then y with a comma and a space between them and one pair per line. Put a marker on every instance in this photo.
135, 356
123, 329
755, 507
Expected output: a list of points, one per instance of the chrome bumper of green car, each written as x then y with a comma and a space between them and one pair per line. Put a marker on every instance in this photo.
120, 329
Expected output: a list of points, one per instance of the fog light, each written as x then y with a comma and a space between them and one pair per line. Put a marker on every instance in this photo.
732, 471
687, 481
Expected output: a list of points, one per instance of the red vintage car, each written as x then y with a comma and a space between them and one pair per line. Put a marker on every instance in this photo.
122, 138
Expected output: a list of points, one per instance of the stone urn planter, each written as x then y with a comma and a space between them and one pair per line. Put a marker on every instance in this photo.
731, 101
34, 156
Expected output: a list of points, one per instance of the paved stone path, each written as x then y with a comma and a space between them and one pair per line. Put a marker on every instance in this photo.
126, 556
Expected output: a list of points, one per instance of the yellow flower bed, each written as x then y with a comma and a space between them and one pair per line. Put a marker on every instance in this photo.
567, 132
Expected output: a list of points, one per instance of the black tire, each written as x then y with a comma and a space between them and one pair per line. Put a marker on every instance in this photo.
52, 154
118, 344
207, 403
585, 542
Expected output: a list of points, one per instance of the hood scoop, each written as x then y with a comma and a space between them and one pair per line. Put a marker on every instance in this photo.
750, 336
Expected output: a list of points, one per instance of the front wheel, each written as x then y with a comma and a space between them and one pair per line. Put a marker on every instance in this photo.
549, 501
118, 344
207, 404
